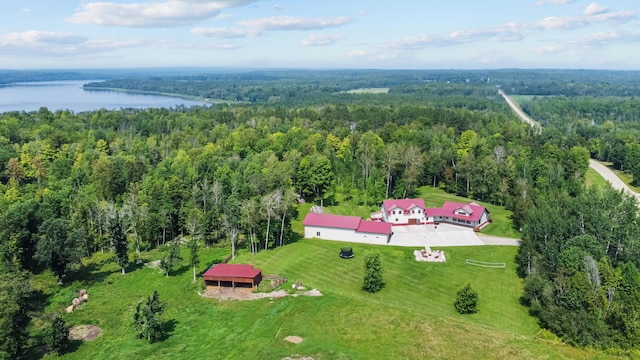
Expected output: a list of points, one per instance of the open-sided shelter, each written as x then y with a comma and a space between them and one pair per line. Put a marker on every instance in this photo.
232, 275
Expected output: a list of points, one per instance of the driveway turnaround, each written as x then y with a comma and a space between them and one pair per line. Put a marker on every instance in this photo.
432, 235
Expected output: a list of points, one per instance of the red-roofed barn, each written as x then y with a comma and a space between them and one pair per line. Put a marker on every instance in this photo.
346, 228
232, 275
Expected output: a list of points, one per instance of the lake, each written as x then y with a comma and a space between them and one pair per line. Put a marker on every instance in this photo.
69, 95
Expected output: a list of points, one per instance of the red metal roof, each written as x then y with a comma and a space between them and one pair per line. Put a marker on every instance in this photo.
375, 227
233, 270
450, 207
404, 204
332, 221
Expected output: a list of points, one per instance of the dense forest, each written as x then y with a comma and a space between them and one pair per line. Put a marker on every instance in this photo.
131, 180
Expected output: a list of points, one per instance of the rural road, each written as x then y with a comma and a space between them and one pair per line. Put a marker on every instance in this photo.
608, 175
518, 111
604, 171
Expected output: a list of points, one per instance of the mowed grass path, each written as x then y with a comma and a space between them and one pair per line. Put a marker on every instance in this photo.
411, 318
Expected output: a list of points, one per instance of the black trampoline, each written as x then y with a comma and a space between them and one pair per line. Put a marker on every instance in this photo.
346, 253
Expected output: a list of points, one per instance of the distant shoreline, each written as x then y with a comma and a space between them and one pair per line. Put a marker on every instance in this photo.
158, 93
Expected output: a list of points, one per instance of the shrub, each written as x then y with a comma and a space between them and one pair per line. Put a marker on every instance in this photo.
56, 335
372, 272
466, 300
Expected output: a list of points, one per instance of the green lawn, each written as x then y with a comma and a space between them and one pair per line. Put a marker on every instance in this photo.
411, 318
592, 178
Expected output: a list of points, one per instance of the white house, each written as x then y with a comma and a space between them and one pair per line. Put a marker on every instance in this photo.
346, 228
471, 214
402, 212
414, 212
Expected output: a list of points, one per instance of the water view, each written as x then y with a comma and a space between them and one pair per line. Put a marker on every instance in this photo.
69, 95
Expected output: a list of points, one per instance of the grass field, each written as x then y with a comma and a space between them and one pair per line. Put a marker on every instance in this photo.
411, 318
592, 178
367, 91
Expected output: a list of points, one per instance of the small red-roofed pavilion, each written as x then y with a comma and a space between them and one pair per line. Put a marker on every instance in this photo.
232, 275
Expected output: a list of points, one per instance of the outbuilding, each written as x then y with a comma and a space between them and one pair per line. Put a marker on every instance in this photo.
232, 275
346, 228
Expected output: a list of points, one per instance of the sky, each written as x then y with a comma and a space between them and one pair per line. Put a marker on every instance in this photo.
324, 34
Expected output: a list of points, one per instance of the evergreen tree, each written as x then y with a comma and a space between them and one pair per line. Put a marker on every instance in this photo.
373, 281
56, 335
466, 300
147, 318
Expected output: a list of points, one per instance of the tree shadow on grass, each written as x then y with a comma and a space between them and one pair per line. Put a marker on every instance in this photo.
168, 327
89, 274
181, 270
73, 346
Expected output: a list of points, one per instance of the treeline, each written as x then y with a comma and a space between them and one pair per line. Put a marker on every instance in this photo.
580, 257
579, 254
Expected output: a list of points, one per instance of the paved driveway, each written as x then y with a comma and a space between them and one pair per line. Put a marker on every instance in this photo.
430, 235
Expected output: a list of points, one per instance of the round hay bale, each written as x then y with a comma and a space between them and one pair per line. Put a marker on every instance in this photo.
83, 291
69, 309
85, 297
75, 301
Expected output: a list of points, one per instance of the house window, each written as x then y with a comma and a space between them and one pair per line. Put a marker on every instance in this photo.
396, 219
318, 233
412, 211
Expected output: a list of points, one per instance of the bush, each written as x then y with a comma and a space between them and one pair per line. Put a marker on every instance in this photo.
466, 300
372, 272
56, 335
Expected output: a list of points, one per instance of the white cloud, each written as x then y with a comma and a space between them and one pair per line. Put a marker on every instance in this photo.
25, 10
294, 23
43, 43
511, 31
225, 33
595, 9
278, 7
32, 37
608, 38
550, 49
321, 40
151, 14
554, 2
257, 27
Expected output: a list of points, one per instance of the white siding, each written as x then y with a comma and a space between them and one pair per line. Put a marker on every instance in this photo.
347, 235
370, 238
484, 218
401, 218
311, 232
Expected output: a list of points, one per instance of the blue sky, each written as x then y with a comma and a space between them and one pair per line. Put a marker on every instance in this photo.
400, 34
